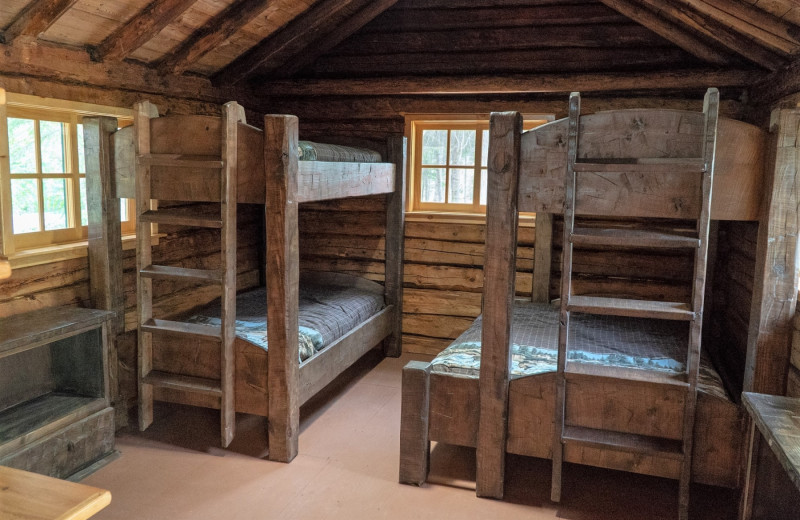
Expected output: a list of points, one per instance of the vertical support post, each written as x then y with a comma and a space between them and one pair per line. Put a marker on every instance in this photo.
776, 274
280, 159
395, 236
542, 258
232, 115
498, 296
415, 443
105, 238
6, 229
143, 112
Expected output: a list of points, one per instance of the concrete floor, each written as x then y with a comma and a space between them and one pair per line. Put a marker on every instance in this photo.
348, 466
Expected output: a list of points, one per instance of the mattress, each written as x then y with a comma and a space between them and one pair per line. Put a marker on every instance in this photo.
617, 341
330, 306
308, 151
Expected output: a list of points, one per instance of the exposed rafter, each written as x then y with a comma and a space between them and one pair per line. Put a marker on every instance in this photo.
140, 29
669, 31
681, 13
782, 83
216, 31
286, 42
511, 83
36, 18
340, 32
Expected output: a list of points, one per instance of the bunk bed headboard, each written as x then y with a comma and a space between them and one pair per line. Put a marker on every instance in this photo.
643, 135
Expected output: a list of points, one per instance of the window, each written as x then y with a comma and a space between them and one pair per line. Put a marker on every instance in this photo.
448, 162
43, 174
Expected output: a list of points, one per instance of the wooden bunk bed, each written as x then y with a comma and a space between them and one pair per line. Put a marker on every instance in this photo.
223, 160
507, 360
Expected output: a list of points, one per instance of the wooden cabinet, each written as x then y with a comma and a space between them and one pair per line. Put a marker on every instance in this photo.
55, 413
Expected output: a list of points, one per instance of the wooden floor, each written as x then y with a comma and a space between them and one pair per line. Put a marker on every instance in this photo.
347, 468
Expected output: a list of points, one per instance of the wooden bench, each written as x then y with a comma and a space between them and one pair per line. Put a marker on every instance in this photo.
25, 495
772, 484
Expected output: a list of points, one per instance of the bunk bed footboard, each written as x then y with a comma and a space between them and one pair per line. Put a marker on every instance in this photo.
414, 439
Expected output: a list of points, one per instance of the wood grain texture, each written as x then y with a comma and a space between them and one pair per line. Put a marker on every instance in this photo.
542, 258
778, 421
498, 296
414, 412
395, 242
35, 18
280, 158
776, 284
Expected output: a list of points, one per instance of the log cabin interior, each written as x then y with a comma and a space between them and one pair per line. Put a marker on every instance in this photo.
536, 251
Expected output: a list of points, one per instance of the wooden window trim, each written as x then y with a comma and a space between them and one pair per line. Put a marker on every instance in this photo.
49, 245
417, 210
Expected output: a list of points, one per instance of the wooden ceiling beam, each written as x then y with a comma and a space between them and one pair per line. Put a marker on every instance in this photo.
36, 18
669, 31
752, 22
140, 29
778, 85
682, 14
213, 33
368, 12
285, 42
511, 83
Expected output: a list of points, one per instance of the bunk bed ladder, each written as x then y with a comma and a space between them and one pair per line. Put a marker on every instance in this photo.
567, 434
217, 392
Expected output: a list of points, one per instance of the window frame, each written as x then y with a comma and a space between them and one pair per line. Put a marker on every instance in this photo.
415, 125
49, 245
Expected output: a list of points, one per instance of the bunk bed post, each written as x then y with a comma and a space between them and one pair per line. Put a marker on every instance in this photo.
142, 113
105, 241
415, 443
498, 297
776, 283
282, 272
395, 229
542, 258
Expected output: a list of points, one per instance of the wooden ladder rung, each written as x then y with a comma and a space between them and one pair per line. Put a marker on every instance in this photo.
175, 218
626, 442
575, 370
668, 165
181, 327
631, 308
585, 236
182, 273
198, 385
181, 161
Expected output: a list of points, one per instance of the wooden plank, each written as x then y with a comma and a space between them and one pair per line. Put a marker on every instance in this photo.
510, 83
414, 410
321, 180
323, 367
675, 33
182, 273
776, 284
626, 442
542, 250
777, 419
212, 34
140, 29
632, 308
395, 240
29, 495
280, 158
25, 331
36, 18
630, 238
182, 382
499, 268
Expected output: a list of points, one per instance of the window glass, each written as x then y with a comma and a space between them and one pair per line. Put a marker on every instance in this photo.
25, 205
52, 146
22, 145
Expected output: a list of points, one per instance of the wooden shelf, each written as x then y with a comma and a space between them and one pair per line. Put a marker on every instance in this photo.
631, 238
631, 308
30, 330
626, 442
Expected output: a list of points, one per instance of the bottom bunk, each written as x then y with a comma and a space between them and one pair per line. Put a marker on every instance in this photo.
341, 317
641, 394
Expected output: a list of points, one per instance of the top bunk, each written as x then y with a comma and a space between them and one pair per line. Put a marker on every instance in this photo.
638, 137
186, 155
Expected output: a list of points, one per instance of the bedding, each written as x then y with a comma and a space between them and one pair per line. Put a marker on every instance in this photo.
639, 343
331, 304
308, 151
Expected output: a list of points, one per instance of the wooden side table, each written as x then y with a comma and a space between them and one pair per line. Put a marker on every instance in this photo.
772, 483
30, 496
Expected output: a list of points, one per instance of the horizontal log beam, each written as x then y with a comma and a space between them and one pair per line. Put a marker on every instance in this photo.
213, 33
140, 29
36, 18
780, 84
511, 83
